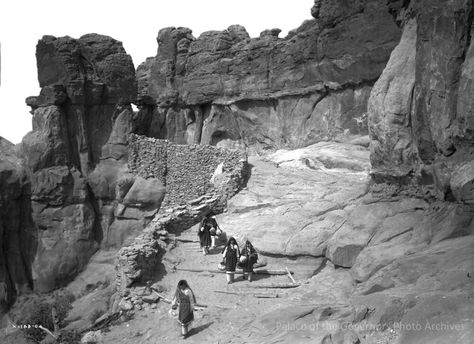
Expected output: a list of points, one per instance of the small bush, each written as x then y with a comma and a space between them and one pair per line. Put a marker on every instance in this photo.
38, 311
69, 337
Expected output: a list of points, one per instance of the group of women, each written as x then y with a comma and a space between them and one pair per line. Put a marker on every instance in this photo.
184, 299
245, 259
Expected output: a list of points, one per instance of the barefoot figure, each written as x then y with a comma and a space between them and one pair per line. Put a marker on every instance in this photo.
204, 234
184, 300
248, 258
231, 256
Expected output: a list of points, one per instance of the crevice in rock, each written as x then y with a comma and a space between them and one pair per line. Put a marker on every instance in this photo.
394, 236
9, 291
287, 256
98, 233
470, 21
322, 266
304, 314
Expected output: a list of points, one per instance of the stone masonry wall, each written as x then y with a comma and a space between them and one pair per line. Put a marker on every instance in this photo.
137, 262
198, 179
185, 170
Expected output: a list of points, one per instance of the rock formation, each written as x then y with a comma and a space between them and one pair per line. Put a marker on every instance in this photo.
89, 182
224, 87
420, 110
81, 122
83, 194
17, 231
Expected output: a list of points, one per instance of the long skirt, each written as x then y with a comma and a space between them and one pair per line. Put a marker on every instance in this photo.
230, 261
186, 314
205, 238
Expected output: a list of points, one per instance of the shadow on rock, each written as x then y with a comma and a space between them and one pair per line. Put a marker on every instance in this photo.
200, 328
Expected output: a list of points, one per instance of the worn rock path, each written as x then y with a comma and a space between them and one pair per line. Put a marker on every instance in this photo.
367, 261
275, 190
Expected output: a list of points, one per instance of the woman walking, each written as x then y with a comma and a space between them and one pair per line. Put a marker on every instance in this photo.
247, 259
184, 300
231, 256
210, 223
205, 235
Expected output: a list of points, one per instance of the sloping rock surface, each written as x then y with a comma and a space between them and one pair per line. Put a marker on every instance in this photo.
372, 266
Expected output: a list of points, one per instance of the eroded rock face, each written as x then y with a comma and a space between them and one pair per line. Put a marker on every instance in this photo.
17, 231
270, 92
420, 110
81, 122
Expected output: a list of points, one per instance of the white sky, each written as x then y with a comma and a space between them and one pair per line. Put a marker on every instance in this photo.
133, 22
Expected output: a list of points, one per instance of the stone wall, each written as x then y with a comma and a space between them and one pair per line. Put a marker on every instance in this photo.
137, 262
198, 179
186, 170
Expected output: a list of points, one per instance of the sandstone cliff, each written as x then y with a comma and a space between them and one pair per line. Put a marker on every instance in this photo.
17, 231
420, 110
83, 195
269, 92
81, 122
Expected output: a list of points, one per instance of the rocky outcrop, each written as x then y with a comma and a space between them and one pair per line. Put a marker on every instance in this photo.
81, 122
420, 110
83, 195
17, 231
269, 92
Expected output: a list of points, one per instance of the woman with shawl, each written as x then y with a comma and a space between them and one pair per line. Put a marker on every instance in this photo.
205, 235
184, 300
231, 256
248, 258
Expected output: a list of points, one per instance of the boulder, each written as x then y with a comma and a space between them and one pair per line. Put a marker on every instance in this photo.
145, 193
92, 337
125, 305
462, 183
153, 298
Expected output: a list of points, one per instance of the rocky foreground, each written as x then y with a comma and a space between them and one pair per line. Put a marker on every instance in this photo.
373, 266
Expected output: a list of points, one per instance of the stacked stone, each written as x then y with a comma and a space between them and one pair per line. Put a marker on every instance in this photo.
190, 168
138, 261
148, 157
186, 170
